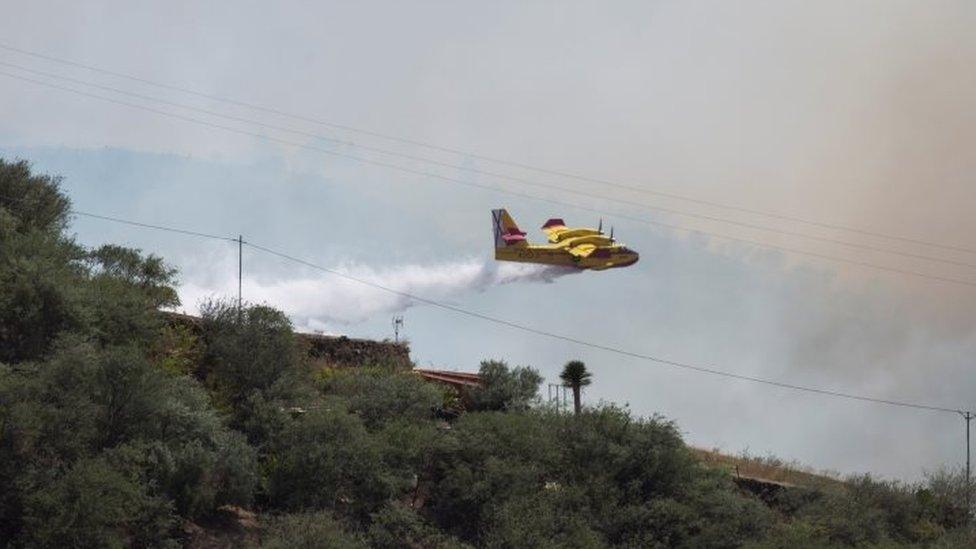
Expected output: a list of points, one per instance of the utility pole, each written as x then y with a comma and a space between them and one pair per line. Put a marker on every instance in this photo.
397, 324
968, 416
240, 272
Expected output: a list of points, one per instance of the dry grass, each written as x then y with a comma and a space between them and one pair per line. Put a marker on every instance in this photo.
768, 468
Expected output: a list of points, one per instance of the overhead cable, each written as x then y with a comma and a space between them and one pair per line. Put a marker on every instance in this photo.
525, 166
528, 329
561, 189
441, 177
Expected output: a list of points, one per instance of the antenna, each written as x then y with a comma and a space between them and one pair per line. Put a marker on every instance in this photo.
397, 324
558, 395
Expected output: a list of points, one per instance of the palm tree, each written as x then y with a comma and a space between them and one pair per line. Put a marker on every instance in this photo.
575, 376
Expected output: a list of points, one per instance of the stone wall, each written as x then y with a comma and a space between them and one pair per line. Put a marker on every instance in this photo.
332, 351
345, 352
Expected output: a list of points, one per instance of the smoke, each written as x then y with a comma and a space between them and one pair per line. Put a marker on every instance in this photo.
322, 301
882, 146
856, 114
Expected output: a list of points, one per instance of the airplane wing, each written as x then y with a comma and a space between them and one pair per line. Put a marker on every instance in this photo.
557, 231
583, 250
552, 228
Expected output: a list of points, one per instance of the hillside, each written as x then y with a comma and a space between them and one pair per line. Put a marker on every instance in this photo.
768, 470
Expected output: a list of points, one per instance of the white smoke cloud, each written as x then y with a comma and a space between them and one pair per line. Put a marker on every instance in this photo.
322, 301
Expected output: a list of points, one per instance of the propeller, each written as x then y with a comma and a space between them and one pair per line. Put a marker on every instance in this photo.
611, 233
600, 228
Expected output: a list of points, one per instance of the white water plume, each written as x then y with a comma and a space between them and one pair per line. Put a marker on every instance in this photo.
323, 300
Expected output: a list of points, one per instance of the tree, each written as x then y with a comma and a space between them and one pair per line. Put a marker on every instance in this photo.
504, 388
41, 270
49, 285
31, 202
123, 292
575, 376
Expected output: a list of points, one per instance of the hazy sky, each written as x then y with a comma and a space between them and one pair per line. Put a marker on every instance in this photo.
857, 114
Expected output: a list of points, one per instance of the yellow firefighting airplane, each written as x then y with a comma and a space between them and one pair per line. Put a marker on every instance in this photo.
571, 247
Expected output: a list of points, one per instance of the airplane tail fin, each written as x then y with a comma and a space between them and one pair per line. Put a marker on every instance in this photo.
506, 231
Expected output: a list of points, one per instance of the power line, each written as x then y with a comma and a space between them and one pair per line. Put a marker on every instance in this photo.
629, 187
615, 350
150, 226
489, 187
510, 324
73, 211
529, 329
585, 194
607, 348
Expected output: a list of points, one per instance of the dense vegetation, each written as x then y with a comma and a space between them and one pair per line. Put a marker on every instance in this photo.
119, 429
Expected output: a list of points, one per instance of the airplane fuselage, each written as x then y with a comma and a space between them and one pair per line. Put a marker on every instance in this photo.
558, 254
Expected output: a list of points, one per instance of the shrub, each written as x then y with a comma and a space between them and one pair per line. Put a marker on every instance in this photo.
252, 364
326, 460
197, 477
156, 430
549, 518
379, 395
599, 478
95, 505
177, 350
792, 535
312, 530
246, 350
489, 458
397, 525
